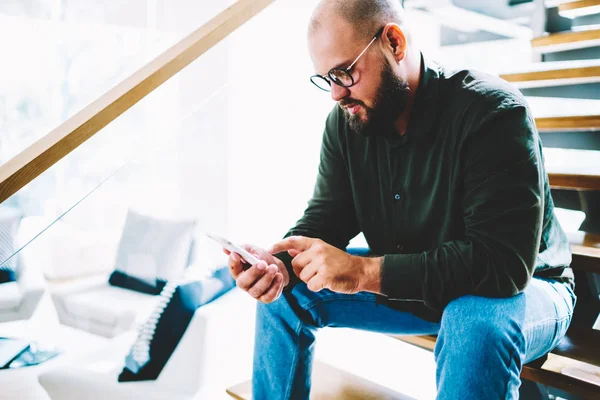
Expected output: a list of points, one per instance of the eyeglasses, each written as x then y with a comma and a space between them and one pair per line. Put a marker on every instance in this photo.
341, 76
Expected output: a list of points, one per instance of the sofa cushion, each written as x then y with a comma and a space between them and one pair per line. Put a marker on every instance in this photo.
161, 334
105, 304
9, 225
151, 252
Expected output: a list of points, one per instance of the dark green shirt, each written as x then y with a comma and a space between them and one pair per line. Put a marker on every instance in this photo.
458, 205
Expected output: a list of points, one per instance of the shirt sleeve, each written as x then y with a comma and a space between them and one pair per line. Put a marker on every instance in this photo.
330, 214
502, 194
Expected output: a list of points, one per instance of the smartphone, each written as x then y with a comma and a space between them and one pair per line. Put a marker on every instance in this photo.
246, 256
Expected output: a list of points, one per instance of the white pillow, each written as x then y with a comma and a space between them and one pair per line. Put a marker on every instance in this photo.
151, 248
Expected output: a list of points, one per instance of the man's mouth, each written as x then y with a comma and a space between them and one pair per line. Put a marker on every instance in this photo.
353, 109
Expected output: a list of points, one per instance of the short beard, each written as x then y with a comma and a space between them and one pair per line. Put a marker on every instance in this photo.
390, 102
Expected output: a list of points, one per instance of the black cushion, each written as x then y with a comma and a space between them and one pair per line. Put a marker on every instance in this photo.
168, 323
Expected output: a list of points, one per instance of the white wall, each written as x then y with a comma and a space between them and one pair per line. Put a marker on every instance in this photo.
276, 124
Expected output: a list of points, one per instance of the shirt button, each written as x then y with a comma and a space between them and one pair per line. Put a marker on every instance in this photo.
396, 197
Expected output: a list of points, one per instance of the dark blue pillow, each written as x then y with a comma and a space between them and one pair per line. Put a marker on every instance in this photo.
161, 334
121, 279
9, 225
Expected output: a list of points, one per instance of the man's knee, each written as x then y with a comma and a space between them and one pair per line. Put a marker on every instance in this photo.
472, 322
286, 308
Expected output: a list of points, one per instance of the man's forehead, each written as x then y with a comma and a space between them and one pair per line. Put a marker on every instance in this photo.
331, 44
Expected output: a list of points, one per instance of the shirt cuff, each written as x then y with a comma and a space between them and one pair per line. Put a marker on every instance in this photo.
401, 278
285, 257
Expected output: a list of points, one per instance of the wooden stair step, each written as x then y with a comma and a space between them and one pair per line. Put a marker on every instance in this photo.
329, 383
574, 9
559, 114
568, 123
585, 247
544, 107
566, 40
573, 169
574, 365
558, 73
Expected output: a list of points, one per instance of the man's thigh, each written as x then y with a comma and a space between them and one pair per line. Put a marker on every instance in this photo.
542, 312
358, 311
548, 313
538, 317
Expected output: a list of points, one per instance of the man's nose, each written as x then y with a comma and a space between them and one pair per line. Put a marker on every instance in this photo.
338, 92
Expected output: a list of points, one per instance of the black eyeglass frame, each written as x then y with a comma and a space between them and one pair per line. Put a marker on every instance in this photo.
331, 74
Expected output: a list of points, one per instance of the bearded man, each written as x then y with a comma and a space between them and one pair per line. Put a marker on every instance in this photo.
443, 173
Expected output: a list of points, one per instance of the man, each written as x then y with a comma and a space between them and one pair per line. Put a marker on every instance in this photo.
443, 173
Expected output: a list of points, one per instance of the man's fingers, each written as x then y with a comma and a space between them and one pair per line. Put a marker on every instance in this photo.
300, 262
274, 290
308, 272
235, 265
246, 279
299, 243
293, 253
264, 283
316, 284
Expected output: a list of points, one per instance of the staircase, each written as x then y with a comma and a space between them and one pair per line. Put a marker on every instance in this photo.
562, 87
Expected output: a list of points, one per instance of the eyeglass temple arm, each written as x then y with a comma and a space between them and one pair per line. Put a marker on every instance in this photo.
366, 48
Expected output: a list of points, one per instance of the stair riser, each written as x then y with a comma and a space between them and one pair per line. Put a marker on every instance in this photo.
587, 20
581, 91
588, 53
572, 140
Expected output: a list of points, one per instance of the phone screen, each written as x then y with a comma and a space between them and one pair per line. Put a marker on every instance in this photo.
247, 257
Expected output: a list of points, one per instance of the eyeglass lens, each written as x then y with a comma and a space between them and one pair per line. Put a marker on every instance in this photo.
341, 77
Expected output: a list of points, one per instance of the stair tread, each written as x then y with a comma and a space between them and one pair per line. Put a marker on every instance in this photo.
579, 345
577, 5
585, 244
555, 73
574, 364
329, 382
546, 107
569, 123
571, 161
573, 169
567, 40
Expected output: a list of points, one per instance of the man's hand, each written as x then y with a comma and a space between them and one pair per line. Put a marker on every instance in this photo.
263, 281
323, 266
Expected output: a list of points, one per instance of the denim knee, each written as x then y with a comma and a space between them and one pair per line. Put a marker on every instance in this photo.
479, 323
285, 308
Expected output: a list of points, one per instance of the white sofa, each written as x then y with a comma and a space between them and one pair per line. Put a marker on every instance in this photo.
95, 306
76, 265
219, 338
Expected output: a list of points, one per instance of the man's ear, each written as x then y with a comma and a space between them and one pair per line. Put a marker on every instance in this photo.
394, 40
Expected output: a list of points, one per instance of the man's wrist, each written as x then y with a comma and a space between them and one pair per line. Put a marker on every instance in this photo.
283, 270
286, 259
371, 274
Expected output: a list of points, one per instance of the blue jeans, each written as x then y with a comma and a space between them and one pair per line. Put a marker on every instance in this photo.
493, 336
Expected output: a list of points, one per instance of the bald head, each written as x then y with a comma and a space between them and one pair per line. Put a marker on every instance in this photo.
365, 16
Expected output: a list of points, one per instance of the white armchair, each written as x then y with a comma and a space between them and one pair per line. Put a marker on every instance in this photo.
19, 299
95, 306
77, 265
219, 338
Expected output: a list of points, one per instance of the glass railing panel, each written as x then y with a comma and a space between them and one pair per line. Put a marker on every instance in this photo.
65, 54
